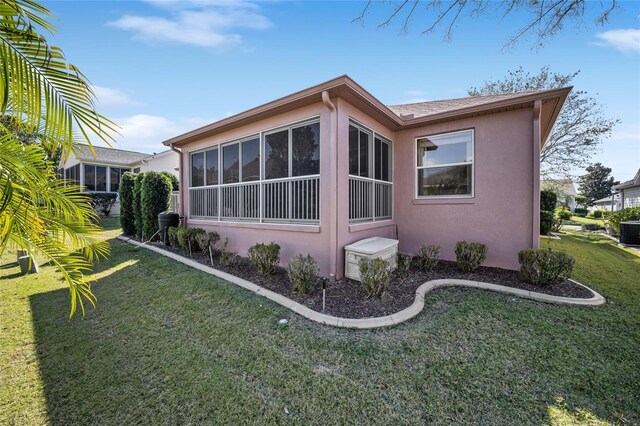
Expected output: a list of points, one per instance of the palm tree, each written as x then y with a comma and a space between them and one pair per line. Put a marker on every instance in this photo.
40, 92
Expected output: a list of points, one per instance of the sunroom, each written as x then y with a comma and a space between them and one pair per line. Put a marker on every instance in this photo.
273, 176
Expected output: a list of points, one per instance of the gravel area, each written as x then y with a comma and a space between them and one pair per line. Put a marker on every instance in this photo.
346, 298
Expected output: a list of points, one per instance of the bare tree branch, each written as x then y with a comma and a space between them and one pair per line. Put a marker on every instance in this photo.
547, 18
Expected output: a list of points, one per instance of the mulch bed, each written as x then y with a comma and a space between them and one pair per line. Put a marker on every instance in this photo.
346, 298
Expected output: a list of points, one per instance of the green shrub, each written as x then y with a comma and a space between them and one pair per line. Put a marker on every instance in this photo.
375, 275
172, 233
303, 273
127, 219
546, 222
137, 204
207, 240
198, 235
469, 256
556, 226
103, 202
187, 239
227, 258
580, 212
563, 213
614, 218
403, 263
155, 198
175, 185
599, 214
545, 267
548, 200
265, 257
427, 257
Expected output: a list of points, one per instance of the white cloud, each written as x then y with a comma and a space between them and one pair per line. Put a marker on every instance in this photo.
108, 97
625, 40
145, 132
212, 24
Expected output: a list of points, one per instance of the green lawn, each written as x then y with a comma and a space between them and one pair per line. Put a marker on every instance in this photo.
577, 220
169, 345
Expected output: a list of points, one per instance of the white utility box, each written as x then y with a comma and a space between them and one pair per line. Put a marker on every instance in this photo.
384, 248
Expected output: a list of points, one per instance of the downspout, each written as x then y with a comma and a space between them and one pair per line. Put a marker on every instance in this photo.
537, 147
180, 183
333, 187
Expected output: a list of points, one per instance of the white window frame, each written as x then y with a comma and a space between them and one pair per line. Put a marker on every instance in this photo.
371, 164
472, 163
261, 139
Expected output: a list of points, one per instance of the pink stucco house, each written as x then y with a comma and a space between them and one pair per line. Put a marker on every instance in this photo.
330, 165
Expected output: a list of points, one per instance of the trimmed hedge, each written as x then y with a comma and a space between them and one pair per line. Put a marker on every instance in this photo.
545, 267
175, 185
155, 197
265, 257
469, 256
614, 219
137, 204
303, 273
563, 214
375, 275
127, 220
548, 200
599, 214
580, 212
546, 222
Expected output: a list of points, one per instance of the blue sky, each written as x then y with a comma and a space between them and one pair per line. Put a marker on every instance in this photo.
162, 68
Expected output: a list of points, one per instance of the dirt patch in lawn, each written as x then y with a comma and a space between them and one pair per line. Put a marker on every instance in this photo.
346, 298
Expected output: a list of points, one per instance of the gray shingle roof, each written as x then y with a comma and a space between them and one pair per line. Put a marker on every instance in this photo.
108, 155
422, 109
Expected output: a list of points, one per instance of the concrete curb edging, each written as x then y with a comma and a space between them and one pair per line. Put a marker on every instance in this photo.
375, 322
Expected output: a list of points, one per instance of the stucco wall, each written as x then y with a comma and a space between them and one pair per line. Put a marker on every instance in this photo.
293, 239
501, 212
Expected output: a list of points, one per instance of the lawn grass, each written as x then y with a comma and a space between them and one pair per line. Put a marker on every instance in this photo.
168, 345
577, 220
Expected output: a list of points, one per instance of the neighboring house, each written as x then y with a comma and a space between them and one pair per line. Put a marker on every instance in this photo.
565, 189
331, 165
629, 192
100, 170
611, 203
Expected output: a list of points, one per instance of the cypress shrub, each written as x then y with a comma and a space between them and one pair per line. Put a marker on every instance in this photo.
545, 267
137, 206
546, 222
548, 200
175, 186
155, 197
469, 256
127, 220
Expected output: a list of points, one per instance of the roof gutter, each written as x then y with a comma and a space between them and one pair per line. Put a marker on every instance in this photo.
180, 182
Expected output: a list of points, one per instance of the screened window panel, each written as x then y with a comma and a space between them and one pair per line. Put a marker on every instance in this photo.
231, 163
377, 166
197, 169
115, 178
305, 144
90, 177
353, 150
276, 152
364, 154
251, 160
385, 160
212, 167
101, 178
